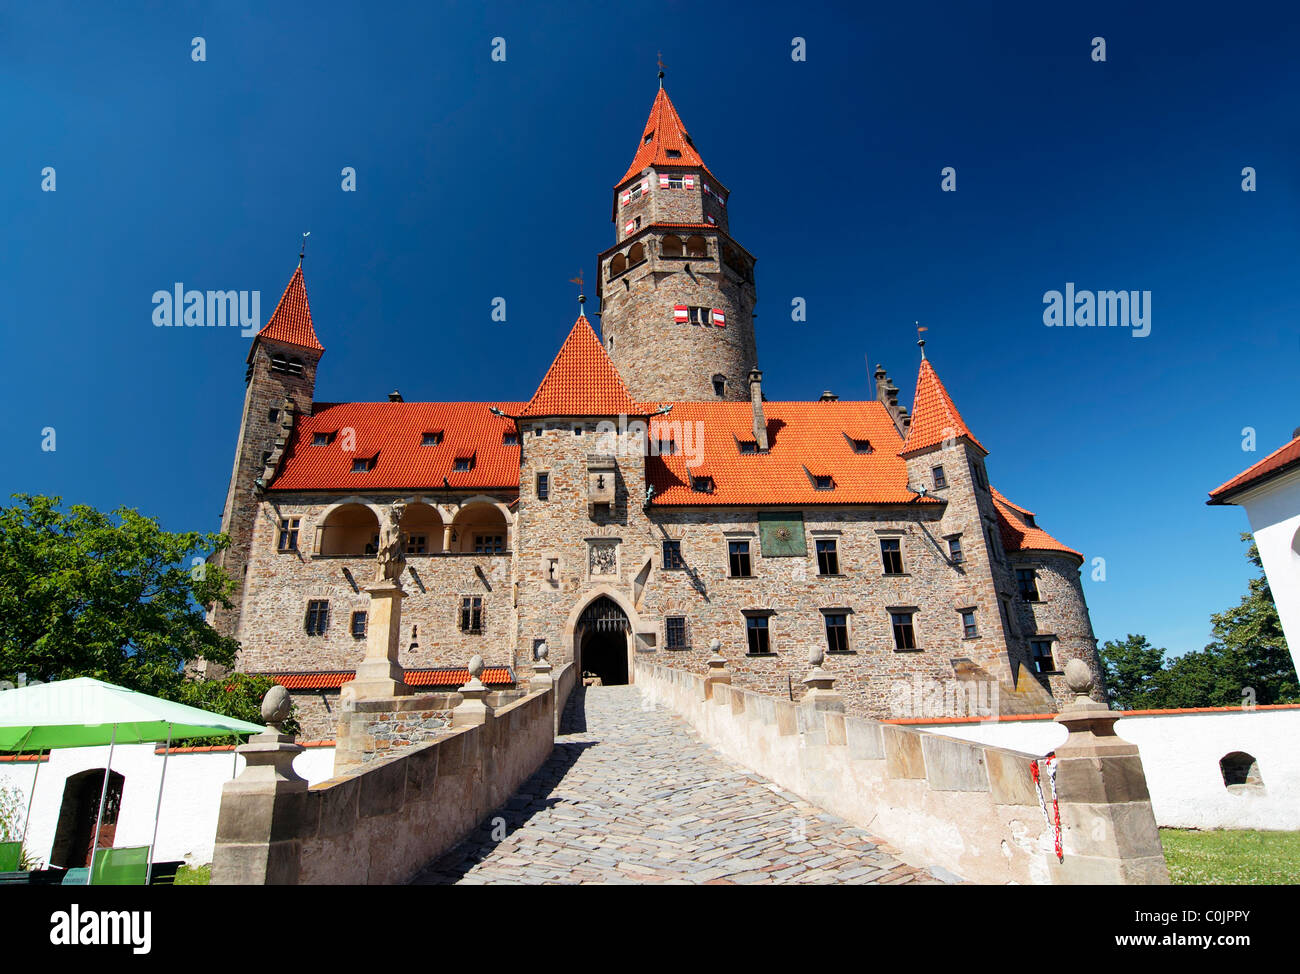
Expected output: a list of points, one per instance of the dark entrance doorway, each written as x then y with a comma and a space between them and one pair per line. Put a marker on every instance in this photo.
77, 815
602, 641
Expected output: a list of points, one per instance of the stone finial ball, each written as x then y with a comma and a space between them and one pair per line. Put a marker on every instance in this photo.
476, 666
816, 656
715, 646
543, 651
276, 705
1078, 677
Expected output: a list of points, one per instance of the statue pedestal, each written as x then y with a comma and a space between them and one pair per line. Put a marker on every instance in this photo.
380, 674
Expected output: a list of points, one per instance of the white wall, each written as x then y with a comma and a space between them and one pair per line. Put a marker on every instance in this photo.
1180, 755
187, 825
1274, 513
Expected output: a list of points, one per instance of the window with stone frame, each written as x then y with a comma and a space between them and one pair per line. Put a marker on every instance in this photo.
904, 630
359, 625
837, 631
739, 559
719, 385
891, 555
1041, 651
489, 544
1027, 583
677, 633
318, 617
289, 533
969, 629
673, 555
471, 614
940, 478
954, 551
543, 486
828, 556
757, 635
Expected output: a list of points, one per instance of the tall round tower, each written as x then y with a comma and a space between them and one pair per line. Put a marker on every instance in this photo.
676, 291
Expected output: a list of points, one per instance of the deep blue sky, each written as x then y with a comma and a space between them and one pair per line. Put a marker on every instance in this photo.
479, 179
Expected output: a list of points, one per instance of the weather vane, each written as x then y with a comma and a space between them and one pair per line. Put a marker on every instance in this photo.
582, 298
919, 340
302, 252
661, 69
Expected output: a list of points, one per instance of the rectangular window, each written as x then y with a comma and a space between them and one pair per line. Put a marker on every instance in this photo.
891, 555
940, 480
702, 485
417, 544
471, 614
968, 628
837, 632
828, 557
322, 439
289, 534
675, 180
675, 632
673, 555
510, 439
489, 544
1042, 649
824, 483
904, 634
861, 446
432, 438
748, 446
364, 464
756, 631
543, 486
954, 551
462, 464
318, 617
1027, 583
359, 625
738, 551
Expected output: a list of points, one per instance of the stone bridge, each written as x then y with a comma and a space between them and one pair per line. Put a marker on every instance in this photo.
681, 778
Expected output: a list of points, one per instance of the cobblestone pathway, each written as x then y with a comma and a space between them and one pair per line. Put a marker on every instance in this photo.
632, 796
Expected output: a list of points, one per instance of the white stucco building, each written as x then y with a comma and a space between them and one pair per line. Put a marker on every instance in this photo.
1270, 493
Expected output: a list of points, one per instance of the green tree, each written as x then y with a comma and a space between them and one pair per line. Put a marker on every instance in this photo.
1133, 672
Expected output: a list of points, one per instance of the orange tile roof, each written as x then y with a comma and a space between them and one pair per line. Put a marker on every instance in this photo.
1279, 461
291, 321
668, 134
392, 432
442, 676
582, 381
802, 437
934, 415
1019, 535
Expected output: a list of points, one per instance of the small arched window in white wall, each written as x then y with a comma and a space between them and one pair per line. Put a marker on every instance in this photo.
1241, 773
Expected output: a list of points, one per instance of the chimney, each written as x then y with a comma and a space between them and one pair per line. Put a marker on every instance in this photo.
887, 394
829, 396
756, 399
395, 396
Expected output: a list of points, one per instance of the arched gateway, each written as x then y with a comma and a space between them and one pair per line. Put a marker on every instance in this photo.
602, 642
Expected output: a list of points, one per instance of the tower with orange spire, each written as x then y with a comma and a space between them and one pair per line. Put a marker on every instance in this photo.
280, 382
676, 290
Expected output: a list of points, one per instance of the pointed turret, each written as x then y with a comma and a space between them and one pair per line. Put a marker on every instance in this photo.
582, 381
934, 416
664, 141
291, 323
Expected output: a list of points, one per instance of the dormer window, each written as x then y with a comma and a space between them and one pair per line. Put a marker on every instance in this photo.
1029, 520
462, 464
322, 439
432, 438
824, 483
674, 153
510, 439
860, 446
364, 464
747, 446
702, 485
648, 136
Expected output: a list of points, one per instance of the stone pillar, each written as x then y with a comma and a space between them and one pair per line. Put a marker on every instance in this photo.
542, 668
260, 821
718, 672
821, 685
473, 708
380, 674
1108, 829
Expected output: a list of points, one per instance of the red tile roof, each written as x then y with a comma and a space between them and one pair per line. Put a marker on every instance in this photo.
802, 437
1019, 535
1284, 458
392, 432
582, 381
442, 676
667, 133
934, 415
291, 321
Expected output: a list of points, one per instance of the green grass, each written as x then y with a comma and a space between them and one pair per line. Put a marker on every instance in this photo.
193, 875
1231, 857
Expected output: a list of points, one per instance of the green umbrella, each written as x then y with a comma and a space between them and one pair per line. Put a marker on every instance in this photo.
86, 712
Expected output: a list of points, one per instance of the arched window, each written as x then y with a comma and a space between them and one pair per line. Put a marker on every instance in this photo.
480, 528
696, 247
350, 529
672, 246
636, 254
719, 385
617, 265
1241, 772
422, 526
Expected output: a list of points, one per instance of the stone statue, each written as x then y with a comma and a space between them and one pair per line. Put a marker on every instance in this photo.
391, 557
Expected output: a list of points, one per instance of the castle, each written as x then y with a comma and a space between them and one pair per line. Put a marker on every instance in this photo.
646, 499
